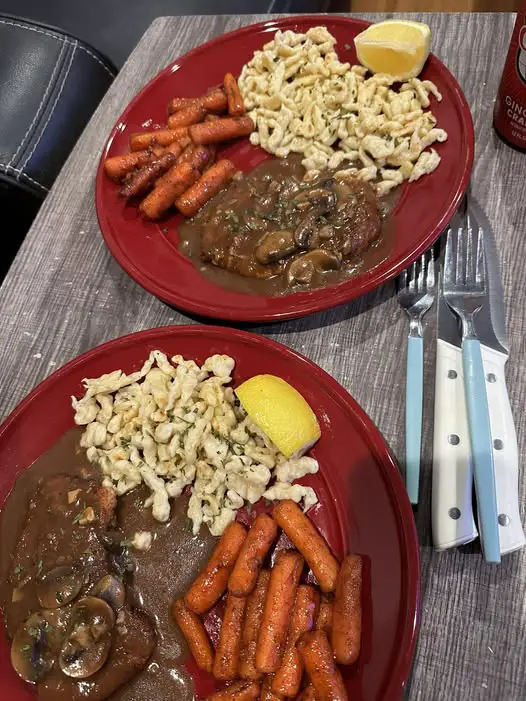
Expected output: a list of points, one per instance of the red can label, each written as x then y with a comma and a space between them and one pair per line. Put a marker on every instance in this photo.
521, 54
510, 106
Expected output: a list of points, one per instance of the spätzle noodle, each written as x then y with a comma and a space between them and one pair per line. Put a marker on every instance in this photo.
304, 100
174, 424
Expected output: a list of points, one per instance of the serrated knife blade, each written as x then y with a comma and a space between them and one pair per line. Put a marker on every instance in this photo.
490, 322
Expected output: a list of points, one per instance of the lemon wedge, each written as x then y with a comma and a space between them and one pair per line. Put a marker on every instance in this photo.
281, 412
398, 47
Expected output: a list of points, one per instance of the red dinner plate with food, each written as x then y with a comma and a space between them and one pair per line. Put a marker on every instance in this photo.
266, 175
93, 574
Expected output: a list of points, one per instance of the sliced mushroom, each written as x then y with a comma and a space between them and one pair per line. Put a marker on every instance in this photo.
326, 232
59, 586
111, 590
274, 246
319, 197
303, 268
88, 638
305, 230
33, 647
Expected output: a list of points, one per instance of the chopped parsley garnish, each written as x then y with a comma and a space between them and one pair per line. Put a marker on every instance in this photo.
59, 597
251, 226
232, 217
78, 517
39, 567
18, 569
125, 442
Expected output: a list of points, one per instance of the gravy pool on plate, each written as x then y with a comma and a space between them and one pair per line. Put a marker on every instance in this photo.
271, 233
41, 533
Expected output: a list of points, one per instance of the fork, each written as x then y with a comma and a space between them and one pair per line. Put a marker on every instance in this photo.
416, 294
464, 289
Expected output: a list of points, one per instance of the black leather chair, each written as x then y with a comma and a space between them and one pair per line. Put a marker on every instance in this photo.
50, 84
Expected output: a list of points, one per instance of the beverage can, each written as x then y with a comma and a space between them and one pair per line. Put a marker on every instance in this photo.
509, 117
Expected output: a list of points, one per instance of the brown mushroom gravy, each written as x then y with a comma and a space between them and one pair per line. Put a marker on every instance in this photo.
271, 233
88, 617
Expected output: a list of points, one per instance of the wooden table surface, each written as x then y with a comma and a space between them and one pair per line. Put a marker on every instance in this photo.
65, 294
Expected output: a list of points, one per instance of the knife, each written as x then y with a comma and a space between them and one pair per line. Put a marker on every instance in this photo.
452, 509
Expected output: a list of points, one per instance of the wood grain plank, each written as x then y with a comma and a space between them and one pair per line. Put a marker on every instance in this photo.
65, 294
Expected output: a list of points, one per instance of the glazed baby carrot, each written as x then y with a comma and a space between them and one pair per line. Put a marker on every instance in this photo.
236, 106
229, 644
308, 694
220, 130
144, 178
195, 635
158, 137
177, 147
347, 621
200, 156
324, 620
192, 114
210, 183
261, 535
119, 166
318, 659
212, 582
284, 579
251, 626
287, 680
309, 542
238, 691
266, 690
214, 101
173, 183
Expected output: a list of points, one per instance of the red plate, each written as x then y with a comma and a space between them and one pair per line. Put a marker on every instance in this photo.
148, 252
363, 504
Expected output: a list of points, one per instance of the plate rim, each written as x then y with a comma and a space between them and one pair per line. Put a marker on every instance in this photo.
374, 438
340, 294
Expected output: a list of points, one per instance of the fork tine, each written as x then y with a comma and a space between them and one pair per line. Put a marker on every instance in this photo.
449, 266
431, 269
460, 270
480, 276
412, 278
422, 274
402, 280
470, 254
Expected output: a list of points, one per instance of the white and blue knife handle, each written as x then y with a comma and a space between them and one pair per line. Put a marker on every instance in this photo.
452, 509
481, 448
414, 394
452, 514
505, 452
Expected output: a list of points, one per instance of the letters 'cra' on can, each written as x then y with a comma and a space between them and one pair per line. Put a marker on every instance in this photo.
509, 117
